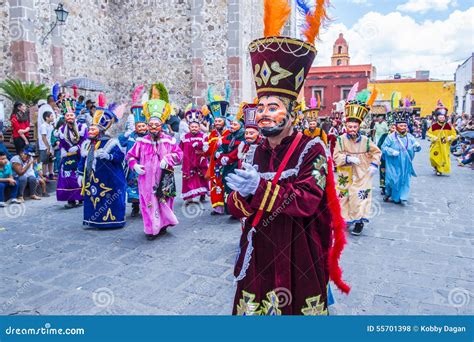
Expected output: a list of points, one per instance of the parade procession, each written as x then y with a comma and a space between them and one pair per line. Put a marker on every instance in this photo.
242, 179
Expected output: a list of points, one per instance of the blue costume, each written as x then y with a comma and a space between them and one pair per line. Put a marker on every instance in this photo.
398, 151
103, 176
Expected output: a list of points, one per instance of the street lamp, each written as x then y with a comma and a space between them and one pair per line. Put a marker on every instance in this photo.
61, 16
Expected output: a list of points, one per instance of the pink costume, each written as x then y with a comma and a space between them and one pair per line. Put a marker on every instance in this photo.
194, 166
156, 214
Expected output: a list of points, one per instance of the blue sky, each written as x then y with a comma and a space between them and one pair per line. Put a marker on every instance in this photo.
402, 36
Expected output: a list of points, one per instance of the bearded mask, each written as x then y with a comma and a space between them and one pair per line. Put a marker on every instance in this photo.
94, 132
219, 123
141, 128
155, 127
273, 115
402, 128
235, 126
251, 135
70, 118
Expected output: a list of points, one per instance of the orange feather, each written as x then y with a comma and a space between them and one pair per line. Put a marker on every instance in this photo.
372, 97
276, 13
315, 20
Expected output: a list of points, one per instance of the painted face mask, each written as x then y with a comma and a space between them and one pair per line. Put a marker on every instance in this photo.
235, 126
94, 132
402, 128
219, 123
194, 128
312, 125
141, 128
70, 117
251, 135
353, 128
272, 116
154, 127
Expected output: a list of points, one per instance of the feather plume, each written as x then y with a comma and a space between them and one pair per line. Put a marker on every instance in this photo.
75, 92
276, 13
353, 92
313, 102
163, 92
407, 102
112, 106
210, 94
55, 91
395, 100
145, 97
318, 98
303, 7
362, 96
228, 91
136, 93
101, 101
372, 97
119, 110
315, 20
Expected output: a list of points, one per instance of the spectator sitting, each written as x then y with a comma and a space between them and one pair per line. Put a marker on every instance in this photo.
44, 142
24, 173
38, 167
6, 180
3, 148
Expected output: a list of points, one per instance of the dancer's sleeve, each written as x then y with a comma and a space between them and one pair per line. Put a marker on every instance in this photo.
133, 156
375, 153
339, 155
387, 147
117, 155
175, 156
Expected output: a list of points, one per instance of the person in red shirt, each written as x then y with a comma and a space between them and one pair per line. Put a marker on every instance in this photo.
20, 126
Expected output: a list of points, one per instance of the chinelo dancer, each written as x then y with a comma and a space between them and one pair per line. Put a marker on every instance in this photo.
441, 133
71, 137
357, 159
399, 150
293, 233
102, 176
153, 158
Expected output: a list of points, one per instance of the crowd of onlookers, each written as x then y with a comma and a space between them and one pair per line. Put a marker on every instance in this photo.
463, 146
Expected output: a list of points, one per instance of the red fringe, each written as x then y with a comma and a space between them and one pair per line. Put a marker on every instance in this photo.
338, 231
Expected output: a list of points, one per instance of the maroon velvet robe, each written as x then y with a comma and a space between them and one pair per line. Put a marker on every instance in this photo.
288, 269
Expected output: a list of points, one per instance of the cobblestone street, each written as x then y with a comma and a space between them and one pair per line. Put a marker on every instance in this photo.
416, 259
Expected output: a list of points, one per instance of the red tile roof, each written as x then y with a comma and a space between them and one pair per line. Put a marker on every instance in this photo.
341, 68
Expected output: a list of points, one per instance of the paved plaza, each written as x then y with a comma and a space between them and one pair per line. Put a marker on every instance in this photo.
416, 259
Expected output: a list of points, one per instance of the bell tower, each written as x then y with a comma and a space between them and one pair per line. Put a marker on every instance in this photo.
340, 52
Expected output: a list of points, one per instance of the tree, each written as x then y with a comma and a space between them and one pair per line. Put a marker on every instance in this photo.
27, 92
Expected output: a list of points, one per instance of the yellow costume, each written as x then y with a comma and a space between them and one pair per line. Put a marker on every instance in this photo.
441, 135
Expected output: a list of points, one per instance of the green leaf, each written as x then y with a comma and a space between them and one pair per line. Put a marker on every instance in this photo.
26, 92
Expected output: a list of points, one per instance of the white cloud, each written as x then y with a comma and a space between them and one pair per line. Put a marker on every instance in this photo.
360, 2
423, 6
397, 43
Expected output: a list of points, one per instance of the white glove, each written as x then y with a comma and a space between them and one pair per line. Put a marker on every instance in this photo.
104, 155
73, 149
395, 153
416, 144
353, 160
450, 138
139, 169
163, 164
195, 144
79, 181
205, 146
245, 182
224, 160
372, 170
218, 154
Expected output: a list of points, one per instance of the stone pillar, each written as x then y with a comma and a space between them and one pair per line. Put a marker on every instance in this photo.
235, 50
23, 40
199, 83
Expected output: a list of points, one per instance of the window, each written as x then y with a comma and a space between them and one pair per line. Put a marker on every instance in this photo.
339, 49
344, 92
318, 91
338, 62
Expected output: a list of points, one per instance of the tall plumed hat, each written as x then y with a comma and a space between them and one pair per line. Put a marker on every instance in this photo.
67, 105
250, 116
312, 113
105, 116
157, 107
358, 104
280, 64
137, 105
193, 114
404, 113
218, 105
440, 109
